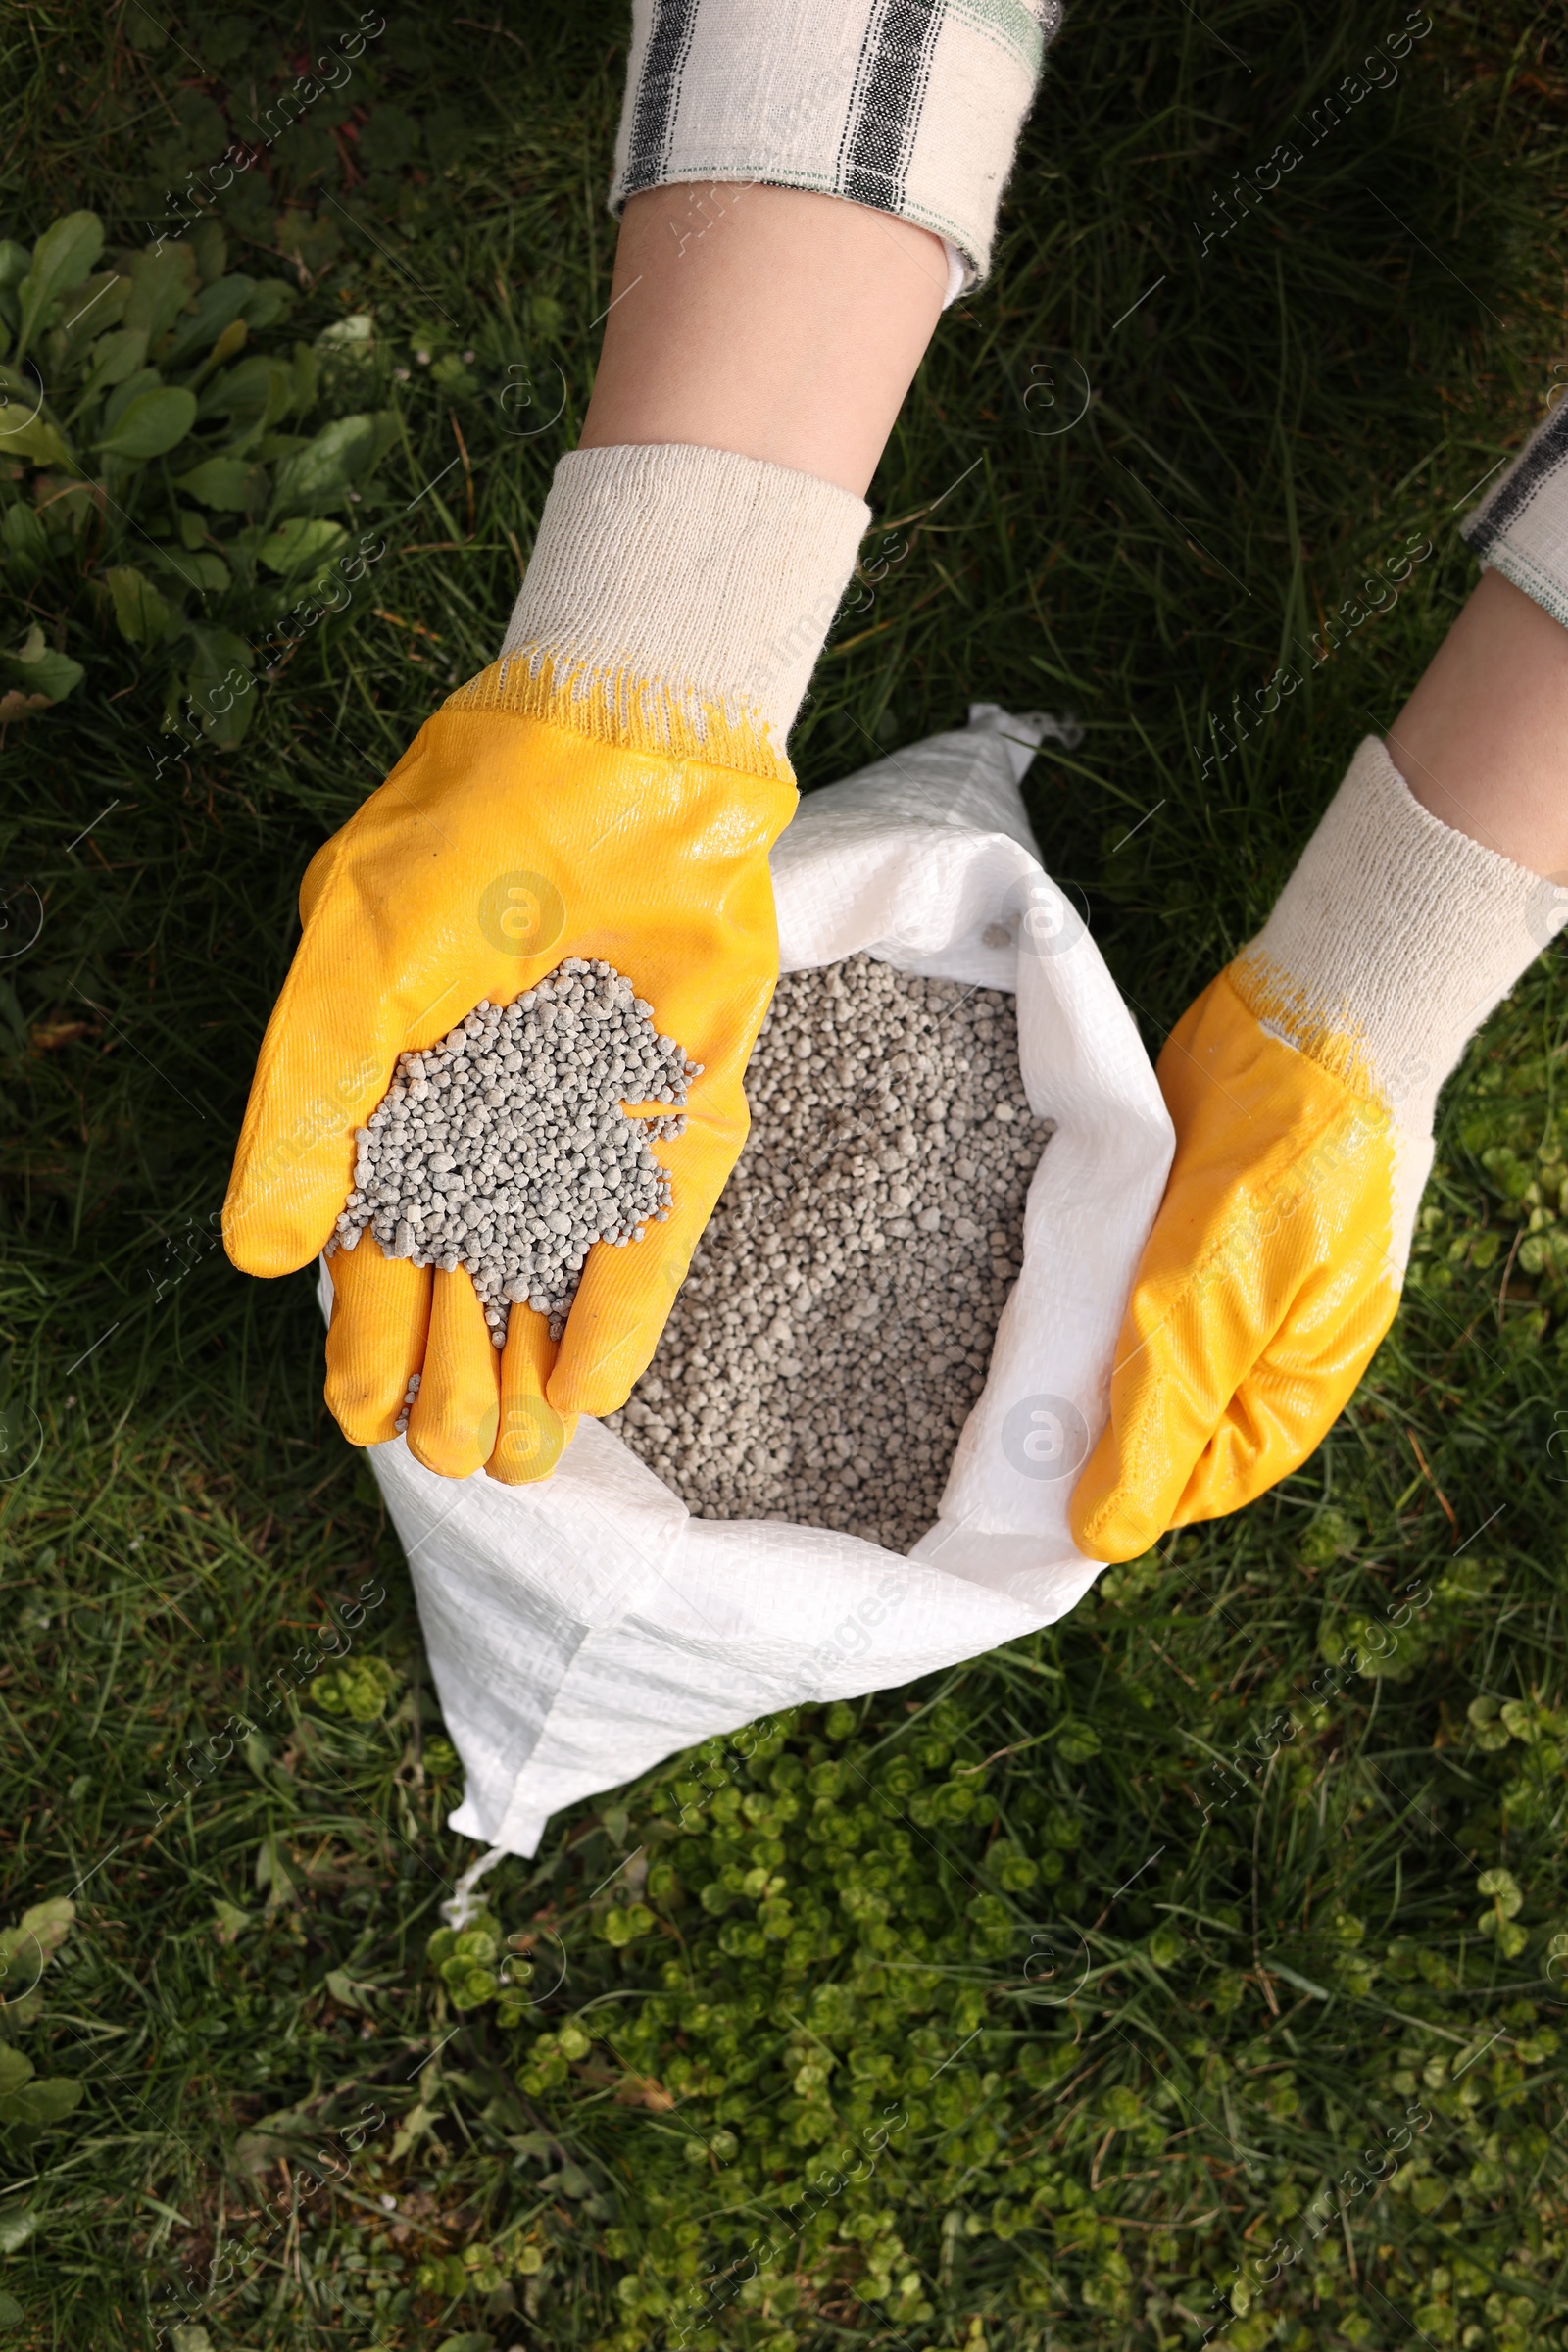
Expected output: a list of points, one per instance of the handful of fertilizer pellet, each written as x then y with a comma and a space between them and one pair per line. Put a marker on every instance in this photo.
509, 1149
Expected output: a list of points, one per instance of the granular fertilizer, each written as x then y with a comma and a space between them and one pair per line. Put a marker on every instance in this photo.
836, 1325
506, 1148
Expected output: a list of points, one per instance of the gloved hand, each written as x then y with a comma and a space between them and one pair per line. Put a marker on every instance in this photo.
563, 803
1302, 1085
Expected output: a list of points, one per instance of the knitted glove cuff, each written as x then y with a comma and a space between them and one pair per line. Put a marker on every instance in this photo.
679, 597
1391, 942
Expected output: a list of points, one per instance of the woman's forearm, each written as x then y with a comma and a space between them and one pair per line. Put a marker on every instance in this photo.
769, 321
1482, 742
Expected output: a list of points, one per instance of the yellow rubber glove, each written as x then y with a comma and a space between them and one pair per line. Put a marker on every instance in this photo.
503, 842
1301, 1085
1268, 1281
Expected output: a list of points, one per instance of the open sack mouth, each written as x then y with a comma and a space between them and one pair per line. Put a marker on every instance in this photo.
836, 1327
851, 1459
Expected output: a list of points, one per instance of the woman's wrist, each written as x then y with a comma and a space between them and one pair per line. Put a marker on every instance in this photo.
788, 331
1482, 742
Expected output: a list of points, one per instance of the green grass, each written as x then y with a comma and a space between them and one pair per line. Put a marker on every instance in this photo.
1247, 1994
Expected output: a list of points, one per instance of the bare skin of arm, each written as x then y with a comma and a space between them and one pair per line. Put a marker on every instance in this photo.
771, 321
789, 325
1482, 742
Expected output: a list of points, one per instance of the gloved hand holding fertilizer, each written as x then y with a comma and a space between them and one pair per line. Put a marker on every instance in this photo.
1303, 1082
551, 931
607, 793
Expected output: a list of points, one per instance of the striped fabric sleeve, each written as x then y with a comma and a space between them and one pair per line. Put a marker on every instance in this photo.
1521, 527
911, 107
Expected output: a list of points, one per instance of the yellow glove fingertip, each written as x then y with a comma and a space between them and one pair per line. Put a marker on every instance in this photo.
1102, 1515
532, 1436
375, 1340
256, 1241
452, 1420
624, 1300
529, 1441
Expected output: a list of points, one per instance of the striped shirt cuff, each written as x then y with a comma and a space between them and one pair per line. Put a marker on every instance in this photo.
911, 107
1521, 527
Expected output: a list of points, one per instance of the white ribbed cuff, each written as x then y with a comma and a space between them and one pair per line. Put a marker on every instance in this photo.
712, 578
1394, 939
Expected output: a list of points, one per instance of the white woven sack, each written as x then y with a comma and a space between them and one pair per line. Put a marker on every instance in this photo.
583, 1629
